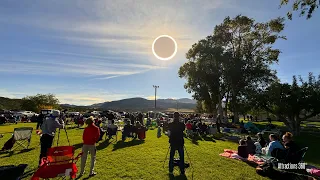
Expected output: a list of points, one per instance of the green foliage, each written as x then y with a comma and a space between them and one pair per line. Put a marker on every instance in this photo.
304, 6
232, 62
39, 101
292, 103
9, 104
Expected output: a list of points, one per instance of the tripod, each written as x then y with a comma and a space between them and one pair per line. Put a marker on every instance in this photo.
179, 157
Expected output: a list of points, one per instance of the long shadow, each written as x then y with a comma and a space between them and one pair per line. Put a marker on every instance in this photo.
78, 146
194, 141
10, 153
121, 144
104, 144
28, 173
25, 150
180, 177
252, 164
207, 138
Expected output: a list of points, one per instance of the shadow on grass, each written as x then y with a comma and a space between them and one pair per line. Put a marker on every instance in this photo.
78, 146
121, 144
104, 144
180, 177
28, 173
207, 138
10, 153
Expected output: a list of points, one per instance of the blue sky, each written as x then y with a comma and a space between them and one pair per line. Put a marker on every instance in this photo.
87, 52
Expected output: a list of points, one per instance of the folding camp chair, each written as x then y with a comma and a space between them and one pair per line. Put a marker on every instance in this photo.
22, 136
60, 162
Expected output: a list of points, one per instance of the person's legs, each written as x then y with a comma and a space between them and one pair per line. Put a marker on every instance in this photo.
92, 150
45, 143
84, 158
181, 156
171, 165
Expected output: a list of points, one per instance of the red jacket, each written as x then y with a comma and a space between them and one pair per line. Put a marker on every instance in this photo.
91, 135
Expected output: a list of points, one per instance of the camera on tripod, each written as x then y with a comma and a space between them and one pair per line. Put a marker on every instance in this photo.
176, 162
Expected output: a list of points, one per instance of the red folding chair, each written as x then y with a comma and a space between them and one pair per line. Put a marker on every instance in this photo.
60, 162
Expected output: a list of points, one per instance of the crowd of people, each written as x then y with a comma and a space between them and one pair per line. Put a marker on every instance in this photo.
286, 150
135, 127
96, 128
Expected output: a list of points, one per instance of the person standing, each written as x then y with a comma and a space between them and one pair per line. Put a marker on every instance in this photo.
140, 118
40, 120
91, 135
175, 133
48, 128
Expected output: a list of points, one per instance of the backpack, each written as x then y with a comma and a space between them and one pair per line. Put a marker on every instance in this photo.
265, 169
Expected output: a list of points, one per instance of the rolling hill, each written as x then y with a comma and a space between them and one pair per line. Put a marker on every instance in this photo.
141, 104
131, 104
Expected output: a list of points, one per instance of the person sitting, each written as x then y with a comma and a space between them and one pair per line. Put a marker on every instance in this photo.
98, 124
242, 149
250, 145
189, 128
138, 125
112, 129
148, 124
291, 148
261, 140
274, 144
204, 129
128, 131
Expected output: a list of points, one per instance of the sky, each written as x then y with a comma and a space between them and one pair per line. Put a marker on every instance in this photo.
89, 52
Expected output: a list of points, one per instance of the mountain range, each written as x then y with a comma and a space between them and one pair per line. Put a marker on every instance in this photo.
141, 104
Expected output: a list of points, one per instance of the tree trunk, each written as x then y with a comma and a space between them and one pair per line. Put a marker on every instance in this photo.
226, 105
220, 107
293, 123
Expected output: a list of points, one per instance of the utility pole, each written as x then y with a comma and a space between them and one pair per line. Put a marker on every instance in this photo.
155, 96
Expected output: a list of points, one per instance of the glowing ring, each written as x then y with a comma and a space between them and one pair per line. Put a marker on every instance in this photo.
173, 54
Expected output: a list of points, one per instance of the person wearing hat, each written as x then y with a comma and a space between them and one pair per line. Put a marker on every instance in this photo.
91, 135
176, 140
48, 128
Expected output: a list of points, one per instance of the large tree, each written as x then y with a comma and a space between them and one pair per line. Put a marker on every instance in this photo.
203, 72
39, 101
292, 103
249, 48
233, 62
303, 6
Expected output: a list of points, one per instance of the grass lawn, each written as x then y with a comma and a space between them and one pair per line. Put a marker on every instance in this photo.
139, 159
144, 159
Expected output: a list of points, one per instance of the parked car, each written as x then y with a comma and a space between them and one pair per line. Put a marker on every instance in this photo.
46, 111
25, 113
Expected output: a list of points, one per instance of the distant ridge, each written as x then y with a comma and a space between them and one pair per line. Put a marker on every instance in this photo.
130, 104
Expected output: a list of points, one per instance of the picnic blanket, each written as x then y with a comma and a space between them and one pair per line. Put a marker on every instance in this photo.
232, 154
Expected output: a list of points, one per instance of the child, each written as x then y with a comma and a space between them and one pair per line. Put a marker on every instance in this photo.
242, 149
159, 132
